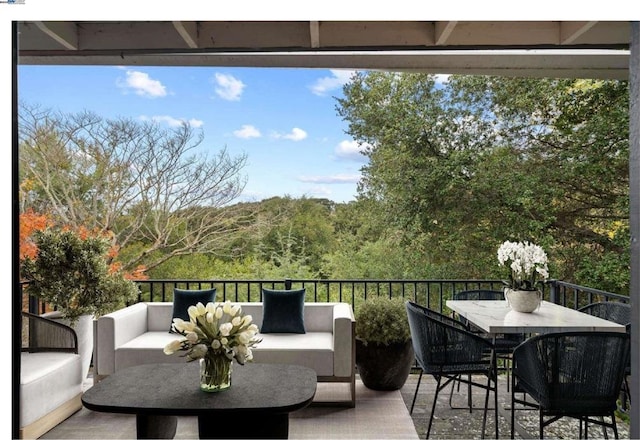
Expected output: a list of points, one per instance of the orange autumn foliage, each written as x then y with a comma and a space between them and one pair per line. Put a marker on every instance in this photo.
31, 222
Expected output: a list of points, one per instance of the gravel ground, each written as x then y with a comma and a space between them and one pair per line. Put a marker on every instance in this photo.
462, 424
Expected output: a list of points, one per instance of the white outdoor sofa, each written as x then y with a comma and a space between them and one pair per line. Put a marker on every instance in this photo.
137, 335
50, 375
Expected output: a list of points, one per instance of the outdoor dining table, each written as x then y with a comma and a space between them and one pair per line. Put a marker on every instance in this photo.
496, 317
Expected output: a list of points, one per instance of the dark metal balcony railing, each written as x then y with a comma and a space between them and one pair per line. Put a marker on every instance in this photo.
430, 293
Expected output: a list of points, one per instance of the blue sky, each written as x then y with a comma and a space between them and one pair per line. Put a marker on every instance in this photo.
284, 120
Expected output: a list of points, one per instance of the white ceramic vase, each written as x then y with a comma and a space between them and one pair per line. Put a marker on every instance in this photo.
524, 301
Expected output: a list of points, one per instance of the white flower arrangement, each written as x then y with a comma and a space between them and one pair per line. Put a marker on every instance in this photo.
528, 264
215, 329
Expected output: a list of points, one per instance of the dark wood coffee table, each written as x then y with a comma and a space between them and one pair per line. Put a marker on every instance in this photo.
256, 406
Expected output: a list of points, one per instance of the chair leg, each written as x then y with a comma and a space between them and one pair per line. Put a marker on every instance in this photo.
433, 406
507, 366
416, 393
495, 402
486, 406
469, 398
605, 434
614, 425
469, 395
513, 406
541, 434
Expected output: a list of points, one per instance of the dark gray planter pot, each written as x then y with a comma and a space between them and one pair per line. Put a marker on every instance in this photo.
384, 367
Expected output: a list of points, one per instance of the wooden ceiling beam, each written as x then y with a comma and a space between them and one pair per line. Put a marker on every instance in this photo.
188, 30
314, 33
64, 33
570, 31
443, 31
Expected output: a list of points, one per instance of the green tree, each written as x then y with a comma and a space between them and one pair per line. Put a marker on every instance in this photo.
458, 167
302, 227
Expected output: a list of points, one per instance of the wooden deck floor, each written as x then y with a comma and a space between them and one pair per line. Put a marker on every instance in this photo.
378, 415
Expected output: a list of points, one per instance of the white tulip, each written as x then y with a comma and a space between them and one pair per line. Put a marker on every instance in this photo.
188, 326
210, 317
198, 351
172, 347
215, 344
193, 313
178, 324
211, 307
235, 309
192, 337
227, 307
219, 312
201, 309
244, 337
236, 321
225, 329
247, 320
239, 354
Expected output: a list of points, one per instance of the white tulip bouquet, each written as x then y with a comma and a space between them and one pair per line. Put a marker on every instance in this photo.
215, 329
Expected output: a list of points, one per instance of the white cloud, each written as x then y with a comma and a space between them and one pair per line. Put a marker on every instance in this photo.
228, 87
442, 78
352, 150
318, 191
247, 132
334, 179
296, 134
326, 84
173, 122
142, 84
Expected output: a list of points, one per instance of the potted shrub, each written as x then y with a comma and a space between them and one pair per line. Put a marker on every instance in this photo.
384, 354
70, 273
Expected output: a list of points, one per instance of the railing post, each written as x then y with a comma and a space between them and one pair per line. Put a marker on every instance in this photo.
553, 292
287, 284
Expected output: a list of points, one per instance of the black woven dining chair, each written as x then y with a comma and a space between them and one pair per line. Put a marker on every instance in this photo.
504, 344
458, 324
449, 352
610, 310
574, 374
620, 313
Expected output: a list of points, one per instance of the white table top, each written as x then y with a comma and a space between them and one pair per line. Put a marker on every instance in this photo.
497, 317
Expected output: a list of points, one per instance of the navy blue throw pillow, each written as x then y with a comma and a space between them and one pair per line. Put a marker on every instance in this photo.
282, 311
183, 299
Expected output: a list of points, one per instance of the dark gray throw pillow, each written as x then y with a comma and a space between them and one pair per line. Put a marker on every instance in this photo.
283, 311
183, 299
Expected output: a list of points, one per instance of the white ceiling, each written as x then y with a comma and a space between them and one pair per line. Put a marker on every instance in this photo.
588, 49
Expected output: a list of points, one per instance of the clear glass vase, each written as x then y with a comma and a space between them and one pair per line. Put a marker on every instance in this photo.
215, 373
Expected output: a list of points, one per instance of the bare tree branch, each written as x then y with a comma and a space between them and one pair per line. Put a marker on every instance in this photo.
146, 184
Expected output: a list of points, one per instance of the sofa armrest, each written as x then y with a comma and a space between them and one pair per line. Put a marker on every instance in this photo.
343, 340
115, 329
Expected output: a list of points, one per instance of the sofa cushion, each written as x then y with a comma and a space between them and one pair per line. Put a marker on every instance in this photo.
47, 380
147, 349
313, 350
283, 311
183, 299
